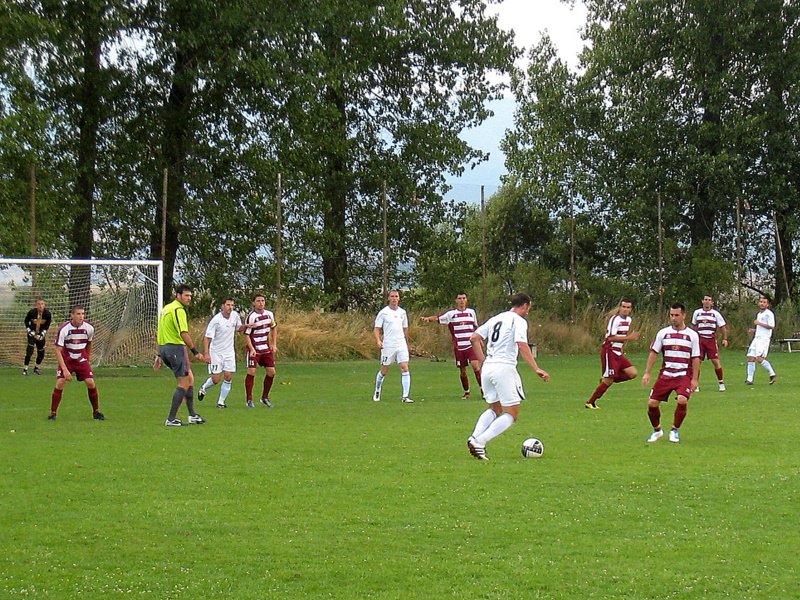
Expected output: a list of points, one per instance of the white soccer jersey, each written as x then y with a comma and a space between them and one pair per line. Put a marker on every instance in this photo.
502, 332
222, 331
707, 322
75, 340
768, 317
393, 323
618, 325
462, 324
259, 325
678, 349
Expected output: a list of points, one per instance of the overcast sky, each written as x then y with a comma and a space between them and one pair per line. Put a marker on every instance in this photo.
528, 19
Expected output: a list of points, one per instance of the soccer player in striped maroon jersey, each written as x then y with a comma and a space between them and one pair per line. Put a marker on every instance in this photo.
707, 321
614, 365
262, 345
462, 322
679, 345
73, 351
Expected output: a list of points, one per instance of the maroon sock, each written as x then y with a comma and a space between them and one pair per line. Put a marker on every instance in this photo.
654, 414
267, 386
249, 380
94, 399
720, 378
599, 391
55, 401
464, 381
680, 415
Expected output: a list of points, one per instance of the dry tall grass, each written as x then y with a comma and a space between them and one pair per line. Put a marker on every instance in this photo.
342, 336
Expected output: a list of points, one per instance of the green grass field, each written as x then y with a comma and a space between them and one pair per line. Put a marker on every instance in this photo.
330, 495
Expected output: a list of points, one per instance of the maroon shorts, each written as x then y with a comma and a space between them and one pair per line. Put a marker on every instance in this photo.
664, 386
708, 348
612, 364
81, 368
266, 359
465, 357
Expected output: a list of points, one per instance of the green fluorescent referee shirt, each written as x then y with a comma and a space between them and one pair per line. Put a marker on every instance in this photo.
171, 322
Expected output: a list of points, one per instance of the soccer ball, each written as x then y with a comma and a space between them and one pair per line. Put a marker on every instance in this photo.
532, 448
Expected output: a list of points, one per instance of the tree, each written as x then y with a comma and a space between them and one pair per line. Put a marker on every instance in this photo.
682, 112
398, 81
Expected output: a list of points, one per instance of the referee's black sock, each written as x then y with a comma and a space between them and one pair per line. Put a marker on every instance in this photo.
177, 398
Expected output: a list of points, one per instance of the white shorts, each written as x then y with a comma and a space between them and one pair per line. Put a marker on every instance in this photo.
222, 363
758, 348
501, 383
392, 355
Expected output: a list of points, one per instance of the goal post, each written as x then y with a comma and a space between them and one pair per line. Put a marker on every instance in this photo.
122, 299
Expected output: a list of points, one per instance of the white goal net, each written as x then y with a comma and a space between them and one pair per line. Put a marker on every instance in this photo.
122, 299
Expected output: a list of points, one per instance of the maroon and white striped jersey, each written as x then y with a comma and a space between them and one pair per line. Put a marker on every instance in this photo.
462, 324
678, 349
618, 325
74, 340
706, 322
259, 324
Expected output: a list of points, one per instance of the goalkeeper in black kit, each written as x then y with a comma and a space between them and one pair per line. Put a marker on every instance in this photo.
37, 322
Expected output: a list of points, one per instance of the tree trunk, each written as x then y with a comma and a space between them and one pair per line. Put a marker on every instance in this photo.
334, 239
88, 126
783, 258
175, 127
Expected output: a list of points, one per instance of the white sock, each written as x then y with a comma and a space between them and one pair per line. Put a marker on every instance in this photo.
224, 390
751, 370
209, 383
768, 367
484, 421
498, 426
378, 383
405, 378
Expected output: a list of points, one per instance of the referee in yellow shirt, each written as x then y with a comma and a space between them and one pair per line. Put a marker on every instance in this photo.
174, 345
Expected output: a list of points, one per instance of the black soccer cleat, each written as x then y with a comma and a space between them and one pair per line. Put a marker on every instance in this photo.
98, 416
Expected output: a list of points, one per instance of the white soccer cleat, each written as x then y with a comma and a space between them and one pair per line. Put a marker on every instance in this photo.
407, 400
722, 387
674, 436
477, 449
655, 436
376, 397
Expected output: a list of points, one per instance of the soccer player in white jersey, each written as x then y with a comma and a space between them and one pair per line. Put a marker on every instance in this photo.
462, 323
759, 348
73, 352
707, 321
262, 345
679, 345
220, 350
614, 365
506, 336
391, 336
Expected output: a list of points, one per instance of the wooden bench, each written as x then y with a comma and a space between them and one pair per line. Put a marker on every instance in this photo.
788, 342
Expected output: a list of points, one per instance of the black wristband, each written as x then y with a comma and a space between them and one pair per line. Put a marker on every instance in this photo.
194, 351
